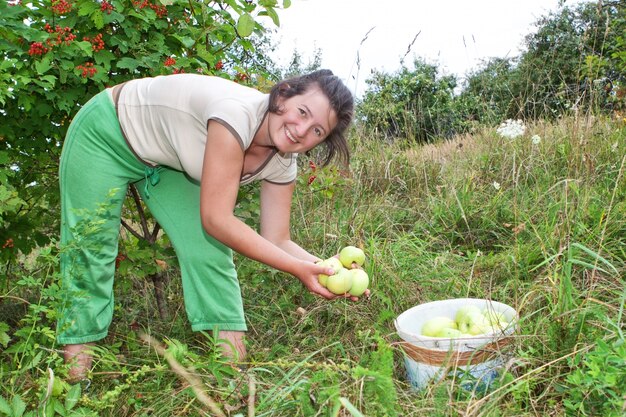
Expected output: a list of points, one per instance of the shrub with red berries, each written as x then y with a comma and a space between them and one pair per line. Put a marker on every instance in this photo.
63, 35
87, 70
97, 44
106, 7
240, 77
160, 10
61, 7
57, 54
37, 48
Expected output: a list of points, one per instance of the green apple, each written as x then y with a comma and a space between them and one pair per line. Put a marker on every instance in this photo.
494, 317
340, 282
464, 314
350, 254
479, 325
463, 327
360, 281
333, 263
501, 325
433, 326
449, 333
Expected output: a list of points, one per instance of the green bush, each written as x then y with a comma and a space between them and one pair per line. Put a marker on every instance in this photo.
69, 50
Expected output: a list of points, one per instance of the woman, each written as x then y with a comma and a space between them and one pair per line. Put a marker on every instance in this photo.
188, 142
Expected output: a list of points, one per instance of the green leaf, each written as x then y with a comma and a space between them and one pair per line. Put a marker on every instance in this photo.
55, 406
4, 336
245, 25
47, 81
85, 47
43, 66
186, 41
128, 63
88, 7
586, 265
286, 4
104, 58
18, 406
98, 19
5, 408
272, 14
594, 255
73, 395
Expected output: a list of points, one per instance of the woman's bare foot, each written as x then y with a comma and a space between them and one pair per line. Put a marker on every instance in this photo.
80, 358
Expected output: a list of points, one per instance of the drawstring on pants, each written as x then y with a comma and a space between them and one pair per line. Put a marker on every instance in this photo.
151, 175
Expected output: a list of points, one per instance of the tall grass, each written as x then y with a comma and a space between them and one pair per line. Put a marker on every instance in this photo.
539, 226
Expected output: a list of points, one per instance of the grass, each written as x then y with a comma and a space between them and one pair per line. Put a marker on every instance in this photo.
540, 227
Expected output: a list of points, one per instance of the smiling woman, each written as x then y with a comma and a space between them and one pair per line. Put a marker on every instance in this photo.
189, 142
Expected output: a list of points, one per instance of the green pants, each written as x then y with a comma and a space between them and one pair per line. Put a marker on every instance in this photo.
96, 168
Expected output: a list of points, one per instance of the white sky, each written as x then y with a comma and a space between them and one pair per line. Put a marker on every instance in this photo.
454, 34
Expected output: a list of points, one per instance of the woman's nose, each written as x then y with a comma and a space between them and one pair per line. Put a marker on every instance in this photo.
303, 128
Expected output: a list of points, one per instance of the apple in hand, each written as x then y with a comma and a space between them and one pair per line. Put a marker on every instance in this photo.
435, 325
340, 282
333, 263
351, 254
360, 281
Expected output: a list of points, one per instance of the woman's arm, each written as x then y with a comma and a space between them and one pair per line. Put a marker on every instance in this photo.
221, 173
275, 218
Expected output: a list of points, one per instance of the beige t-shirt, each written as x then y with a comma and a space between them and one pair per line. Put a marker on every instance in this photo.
165, 122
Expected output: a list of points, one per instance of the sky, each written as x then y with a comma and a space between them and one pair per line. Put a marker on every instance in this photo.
358, 36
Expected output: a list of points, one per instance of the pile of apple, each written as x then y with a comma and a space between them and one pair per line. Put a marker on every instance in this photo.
468, 321
347, 278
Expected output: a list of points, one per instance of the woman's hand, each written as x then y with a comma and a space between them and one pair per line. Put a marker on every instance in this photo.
309, 279
308, 275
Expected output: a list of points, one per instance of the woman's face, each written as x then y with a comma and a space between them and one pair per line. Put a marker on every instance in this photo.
304, 122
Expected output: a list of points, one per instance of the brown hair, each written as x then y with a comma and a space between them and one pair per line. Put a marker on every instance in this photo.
341, 101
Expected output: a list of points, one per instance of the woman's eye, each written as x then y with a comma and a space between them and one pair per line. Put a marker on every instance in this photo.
318, 132
302, 112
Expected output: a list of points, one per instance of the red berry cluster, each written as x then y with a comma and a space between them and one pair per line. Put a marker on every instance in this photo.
61, 7
179, 71
106, 7
160, 10
8, 244
241, 77
37, 48
169, 62
88, 70
313, 168
64, 35
97, 44
219, 65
